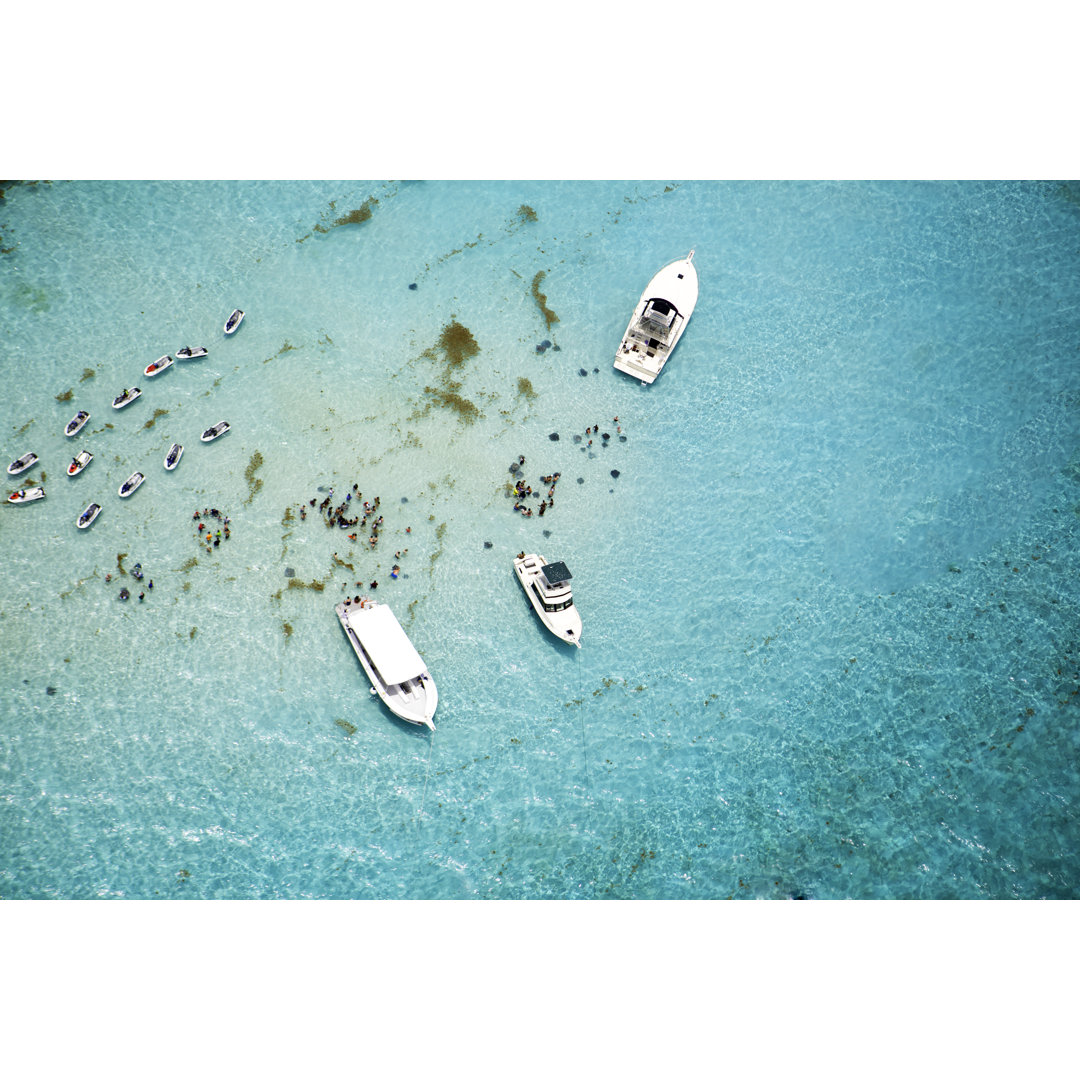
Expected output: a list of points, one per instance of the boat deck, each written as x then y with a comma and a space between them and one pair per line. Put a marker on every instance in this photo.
636, 363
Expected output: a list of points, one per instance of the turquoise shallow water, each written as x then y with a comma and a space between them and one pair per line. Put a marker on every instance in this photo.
829, 601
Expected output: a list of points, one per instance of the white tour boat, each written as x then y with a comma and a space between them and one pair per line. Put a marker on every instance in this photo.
233, 321
395, 669
76, 423
659, 320
88, 516
27, 495
130, 484
547, 585
211, 433
172, 458
126, 398
79, 462
22, 464
158, 366
188, 353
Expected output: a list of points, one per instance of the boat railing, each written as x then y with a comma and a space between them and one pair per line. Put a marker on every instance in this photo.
642, 334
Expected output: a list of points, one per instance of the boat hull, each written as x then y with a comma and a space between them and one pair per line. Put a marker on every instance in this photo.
26, 495
131, 485
414, 701
170, 461
88, 516
215, 432
163, 363
122, 400
80, 463
76, 423
565, 624
643, 356
232, 324
20, 465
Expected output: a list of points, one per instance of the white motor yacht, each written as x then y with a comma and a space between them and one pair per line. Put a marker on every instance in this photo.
395, 669
659, 320
547, 585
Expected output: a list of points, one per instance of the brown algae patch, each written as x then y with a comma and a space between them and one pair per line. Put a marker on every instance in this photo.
287, 347
254, 483
457, 345
526, 213
67, 395
88, 373
318, 586
349, 729
353, 217
525, 389
287, 628
541, 300
153, 419
358, 216
451, 399
189, 565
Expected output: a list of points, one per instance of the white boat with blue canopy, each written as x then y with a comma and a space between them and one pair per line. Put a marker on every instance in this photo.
395, 669
659, 320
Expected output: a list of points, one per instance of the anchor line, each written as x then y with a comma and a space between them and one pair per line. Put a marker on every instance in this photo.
427, 771
581, 718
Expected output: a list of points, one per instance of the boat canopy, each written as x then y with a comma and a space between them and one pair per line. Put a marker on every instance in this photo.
392, 653
660, 312
556, 572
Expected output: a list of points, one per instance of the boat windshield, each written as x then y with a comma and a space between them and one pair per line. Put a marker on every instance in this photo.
562, 605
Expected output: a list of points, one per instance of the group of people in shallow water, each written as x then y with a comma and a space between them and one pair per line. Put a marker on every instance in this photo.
339, 515
362, 510
395, 572
206, 533
137, 574
590, 431
523, 490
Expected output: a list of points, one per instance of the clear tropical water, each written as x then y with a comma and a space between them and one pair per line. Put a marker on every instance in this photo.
830, 599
